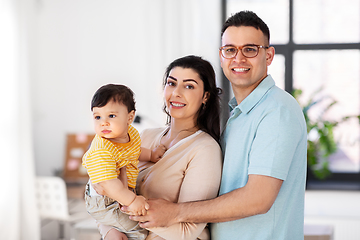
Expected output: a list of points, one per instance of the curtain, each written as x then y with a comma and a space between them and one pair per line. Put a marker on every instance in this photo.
19, 217
192, 27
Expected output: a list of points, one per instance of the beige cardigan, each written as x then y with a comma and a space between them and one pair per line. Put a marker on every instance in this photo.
189, 171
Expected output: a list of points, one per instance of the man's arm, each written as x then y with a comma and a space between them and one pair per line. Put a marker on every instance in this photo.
256, 197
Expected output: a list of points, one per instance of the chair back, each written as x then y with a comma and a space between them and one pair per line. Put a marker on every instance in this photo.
51, 198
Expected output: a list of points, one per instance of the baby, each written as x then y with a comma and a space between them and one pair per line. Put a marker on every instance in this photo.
116, 145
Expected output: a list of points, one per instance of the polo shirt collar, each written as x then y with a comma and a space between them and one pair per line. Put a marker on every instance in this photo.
254, 97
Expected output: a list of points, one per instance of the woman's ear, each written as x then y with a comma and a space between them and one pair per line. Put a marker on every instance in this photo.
206, 97
131, 116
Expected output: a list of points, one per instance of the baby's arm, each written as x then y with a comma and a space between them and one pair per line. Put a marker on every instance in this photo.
153, 155
116, 190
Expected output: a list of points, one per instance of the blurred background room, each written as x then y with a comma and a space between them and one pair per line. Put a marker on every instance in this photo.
54, 54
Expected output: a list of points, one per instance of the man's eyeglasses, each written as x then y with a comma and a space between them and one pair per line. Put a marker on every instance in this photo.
248, 51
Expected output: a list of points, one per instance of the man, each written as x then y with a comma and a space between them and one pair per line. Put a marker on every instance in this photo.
264, 143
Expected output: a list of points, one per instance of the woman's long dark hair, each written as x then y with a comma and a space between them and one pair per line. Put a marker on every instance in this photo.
208, 116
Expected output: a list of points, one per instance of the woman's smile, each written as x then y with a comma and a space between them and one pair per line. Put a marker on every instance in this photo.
177, 104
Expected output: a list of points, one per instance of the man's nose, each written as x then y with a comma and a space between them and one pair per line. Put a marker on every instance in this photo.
240, 57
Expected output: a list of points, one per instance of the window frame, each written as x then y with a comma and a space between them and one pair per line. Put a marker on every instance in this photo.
337, 181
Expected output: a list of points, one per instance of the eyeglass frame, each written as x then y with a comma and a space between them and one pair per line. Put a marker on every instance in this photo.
240, 49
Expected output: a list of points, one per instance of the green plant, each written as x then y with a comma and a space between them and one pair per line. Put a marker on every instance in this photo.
321, 141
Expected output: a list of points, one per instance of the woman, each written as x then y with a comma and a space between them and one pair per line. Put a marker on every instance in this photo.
190, 169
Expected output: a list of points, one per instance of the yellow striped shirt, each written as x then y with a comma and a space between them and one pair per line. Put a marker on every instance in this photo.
104, 158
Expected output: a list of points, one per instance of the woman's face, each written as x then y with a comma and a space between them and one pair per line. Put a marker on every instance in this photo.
184, 94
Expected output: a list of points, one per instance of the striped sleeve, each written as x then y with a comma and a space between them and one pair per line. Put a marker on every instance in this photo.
101, 166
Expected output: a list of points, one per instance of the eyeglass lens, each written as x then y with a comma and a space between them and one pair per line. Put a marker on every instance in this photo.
247, 51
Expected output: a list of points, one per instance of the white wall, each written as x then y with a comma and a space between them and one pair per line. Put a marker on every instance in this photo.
339, 210
79, 45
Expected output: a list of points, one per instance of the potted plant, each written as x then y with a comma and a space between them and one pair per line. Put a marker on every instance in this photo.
321, 140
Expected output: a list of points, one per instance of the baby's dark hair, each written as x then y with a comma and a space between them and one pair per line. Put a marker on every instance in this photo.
116, 92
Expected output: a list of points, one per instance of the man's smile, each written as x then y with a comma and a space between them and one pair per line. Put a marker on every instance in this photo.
240, 70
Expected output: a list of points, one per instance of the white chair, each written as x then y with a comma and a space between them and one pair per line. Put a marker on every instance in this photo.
52, 203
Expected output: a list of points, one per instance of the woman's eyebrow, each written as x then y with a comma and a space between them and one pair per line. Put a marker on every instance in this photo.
185, 80
190, 80
172, 78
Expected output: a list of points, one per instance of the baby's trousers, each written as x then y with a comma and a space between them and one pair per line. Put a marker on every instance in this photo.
107, 211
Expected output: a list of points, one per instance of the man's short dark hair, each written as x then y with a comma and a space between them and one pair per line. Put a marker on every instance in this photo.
248, 19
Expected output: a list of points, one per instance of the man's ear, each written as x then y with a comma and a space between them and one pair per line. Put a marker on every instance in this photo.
270, 53
131, 116
221, 58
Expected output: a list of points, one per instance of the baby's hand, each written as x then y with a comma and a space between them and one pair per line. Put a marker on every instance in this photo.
139, 206
157, 153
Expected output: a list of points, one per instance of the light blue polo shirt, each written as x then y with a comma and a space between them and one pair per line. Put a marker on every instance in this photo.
266, 135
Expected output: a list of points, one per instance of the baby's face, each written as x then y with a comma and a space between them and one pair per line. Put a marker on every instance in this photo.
112, 120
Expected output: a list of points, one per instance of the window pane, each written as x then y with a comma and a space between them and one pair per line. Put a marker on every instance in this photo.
338, 72
327, 21
277, 70
275, 13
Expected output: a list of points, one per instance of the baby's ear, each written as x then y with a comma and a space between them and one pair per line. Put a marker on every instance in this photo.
131, 116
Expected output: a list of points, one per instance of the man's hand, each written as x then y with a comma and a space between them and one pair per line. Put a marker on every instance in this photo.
161, 213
